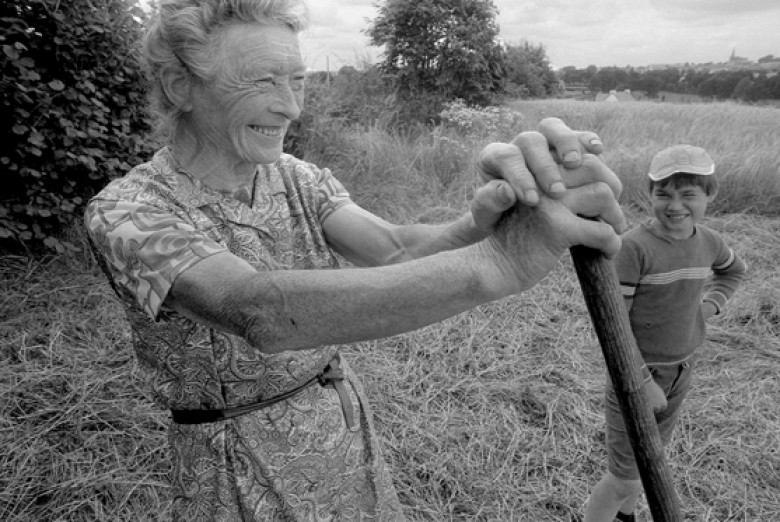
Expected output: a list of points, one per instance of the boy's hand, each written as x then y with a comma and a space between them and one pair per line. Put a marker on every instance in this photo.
708, 309
655, 396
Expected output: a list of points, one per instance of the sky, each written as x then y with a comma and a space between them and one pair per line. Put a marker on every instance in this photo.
577, 32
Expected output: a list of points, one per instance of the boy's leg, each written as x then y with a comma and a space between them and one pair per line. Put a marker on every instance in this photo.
622, 480
609, 495
620, 487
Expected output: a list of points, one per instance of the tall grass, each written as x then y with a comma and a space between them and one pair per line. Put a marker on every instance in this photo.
385, 165
493, 415
743, 140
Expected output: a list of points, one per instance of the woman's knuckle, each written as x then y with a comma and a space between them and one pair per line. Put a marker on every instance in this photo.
592, 162
601, 192
529, 138
550, 122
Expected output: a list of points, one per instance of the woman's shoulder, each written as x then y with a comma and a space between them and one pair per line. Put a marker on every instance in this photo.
149, 182
296, 167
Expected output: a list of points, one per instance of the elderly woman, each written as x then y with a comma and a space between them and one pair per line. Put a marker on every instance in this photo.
222, 249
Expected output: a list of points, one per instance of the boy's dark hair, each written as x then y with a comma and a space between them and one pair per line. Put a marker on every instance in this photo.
709, 184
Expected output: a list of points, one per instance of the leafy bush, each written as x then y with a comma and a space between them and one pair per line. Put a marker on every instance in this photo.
71, 98
356, 100
486, 123
353, 98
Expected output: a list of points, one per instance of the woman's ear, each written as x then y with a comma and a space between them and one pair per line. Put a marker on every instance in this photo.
177, 86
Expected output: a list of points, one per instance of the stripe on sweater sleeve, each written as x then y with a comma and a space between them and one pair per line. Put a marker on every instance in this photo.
728, 273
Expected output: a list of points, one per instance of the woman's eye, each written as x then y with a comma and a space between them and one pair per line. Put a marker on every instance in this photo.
297, 83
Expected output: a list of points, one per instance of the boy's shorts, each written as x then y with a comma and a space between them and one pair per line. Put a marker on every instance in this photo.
675, 380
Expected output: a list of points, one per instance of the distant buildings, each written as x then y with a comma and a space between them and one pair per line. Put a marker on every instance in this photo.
768, 64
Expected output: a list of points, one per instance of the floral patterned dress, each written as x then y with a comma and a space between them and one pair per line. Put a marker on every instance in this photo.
296, 460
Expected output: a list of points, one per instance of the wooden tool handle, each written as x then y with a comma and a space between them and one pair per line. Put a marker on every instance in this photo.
601, 290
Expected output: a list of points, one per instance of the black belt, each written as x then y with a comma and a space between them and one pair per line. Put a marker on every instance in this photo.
331, 376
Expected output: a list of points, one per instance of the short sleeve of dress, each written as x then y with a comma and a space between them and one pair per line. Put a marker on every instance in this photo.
145, 248
331, 194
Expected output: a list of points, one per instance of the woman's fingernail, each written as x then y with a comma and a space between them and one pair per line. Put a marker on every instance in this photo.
595, 141
572, 156
503, 194
557, 188
531, 196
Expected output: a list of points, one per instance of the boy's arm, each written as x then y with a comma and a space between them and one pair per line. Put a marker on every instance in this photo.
727, 276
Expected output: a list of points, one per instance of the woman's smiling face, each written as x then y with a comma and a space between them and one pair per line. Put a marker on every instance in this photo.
245, 111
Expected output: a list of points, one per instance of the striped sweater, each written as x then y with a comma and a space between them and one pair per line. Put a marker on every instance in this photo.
664, 281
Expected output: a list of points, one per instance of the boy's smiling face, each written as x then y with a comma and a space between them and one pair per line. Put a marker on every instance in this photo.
677, 209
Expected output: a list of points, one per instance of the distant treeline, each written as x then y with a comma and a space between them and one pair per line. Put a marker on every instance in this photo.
744, 85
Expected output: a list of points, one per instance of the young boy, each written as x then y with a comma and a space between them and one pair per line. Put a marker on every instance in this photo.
663, 267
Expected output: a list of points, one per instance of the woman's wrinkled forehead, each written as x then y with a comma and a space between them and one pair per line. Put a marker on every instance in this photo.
271, 47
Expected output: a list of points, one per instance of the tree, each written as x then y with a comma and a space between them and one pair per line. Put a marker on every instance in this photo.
751, 90
527, 66
447, 48
742, 89
773, 86
726, 83
72, 104
649, 84
609, 78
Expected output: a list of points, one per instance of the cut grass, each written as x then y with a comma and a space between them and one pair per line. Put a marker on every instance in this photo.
80, 441
493, 415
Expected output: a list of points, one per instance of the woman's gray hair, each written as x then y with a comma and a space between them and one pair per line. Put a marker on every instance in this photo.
181, 40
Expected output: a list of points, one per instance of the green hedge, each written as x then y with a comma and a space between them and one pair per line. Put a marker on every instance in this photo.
73, 111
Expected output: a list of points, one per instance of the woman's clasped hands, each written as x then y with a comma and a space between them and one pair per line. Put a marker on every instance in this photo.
543, 193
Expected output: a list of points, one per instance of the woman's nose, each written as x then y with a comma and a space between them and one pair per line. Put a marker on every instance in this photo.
287, 103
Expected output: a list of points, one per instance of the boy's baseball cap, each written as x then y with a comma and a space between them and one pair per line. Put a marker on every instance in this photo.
681, 158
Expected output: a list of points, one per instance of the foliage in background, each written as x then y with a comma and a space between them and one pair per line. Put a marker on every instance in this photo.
481, 124
72, 106
441, 48
351, 98
742, 85
529, 73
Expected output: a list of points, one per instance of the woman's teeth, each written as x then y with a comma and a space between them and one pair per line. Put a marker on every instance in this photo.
267, 131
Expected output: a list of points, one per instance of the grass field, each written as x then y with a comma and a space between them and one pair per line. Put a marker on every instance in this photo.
742, 140
493, 415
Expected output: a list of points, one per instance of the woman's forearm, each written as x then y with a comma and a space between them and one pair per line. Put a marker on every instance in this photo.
297, 309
